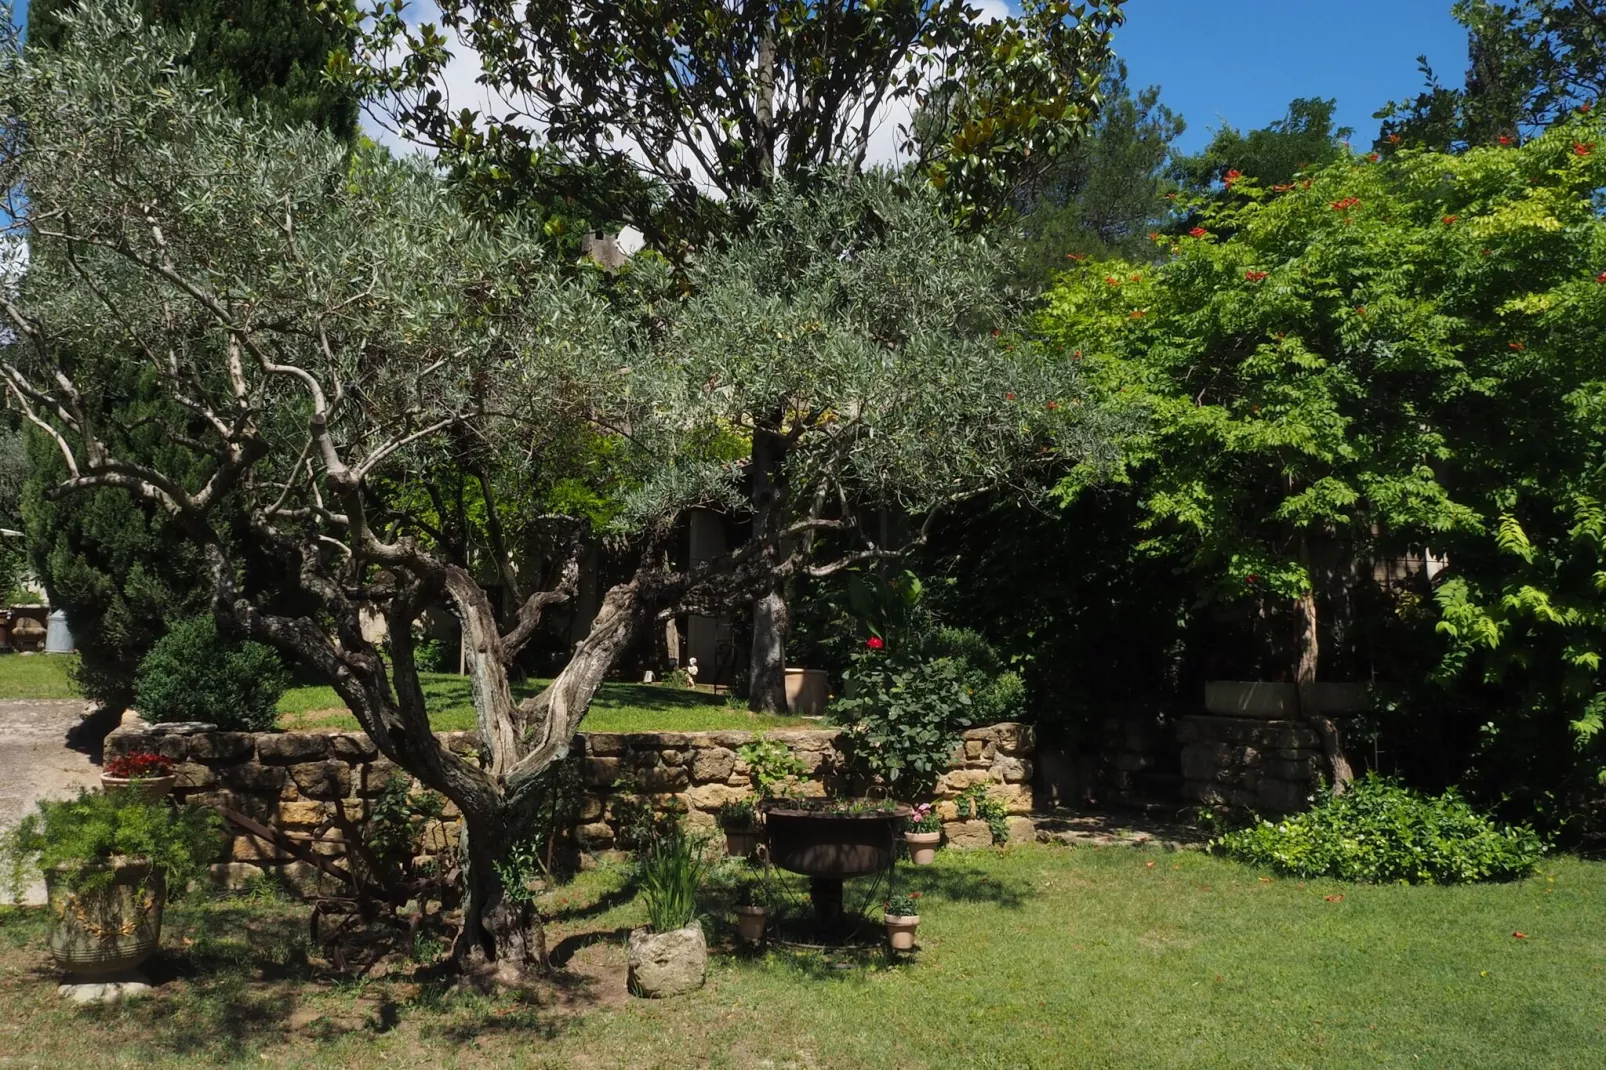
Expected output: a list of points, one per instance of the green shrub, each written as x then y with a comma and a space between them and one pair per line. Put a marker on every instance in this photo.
1380, 831
98, 826
672, 869
195, 674
903, 716
772, 765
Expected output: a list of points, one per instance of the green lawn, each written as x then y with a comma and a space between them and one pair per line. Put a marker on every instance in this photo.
618, 707
1033, 957
37, 676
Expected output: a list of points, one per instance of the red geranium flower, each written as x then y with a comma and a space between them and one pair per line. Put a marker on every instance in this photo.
1198, 232
1232, 176
1581, 149
1346, 204
1505, 139
1254, 276
874, 642
138, 764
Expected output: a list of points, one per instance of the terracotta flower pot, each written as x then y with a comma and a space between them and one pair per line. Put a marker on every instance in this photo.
739, 843
922, 846
154, 787
750, 923
901, 930
107, 931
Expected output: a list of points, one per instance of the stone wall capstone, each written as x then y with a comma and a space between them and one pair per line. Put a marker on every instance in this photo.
294, 781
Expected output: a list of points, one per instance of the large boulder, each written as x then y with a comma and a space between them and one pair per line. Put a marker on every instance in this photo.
667, 964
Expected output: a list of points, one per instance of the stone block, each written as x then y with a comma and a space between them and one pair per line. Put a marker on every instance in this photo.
233, 875
713, 764
222, 747
728, 740
1022, 830
947, 810
957, 780
1205, 791
322, 780
590, 808
1282, 796
1011, 770
1208, 761
600, 772
656, 740
666, 964
193, 776
605, 744
301, 814
175, 747
596, 836
283, 748
1302, 771
663, 778
258, 807
971, 748
671, 756
252, 849
713, 796
253, 779
1017, 798
967, 835
353, 747
305, 878
1015, 738
462, 744
372, 779
437, 836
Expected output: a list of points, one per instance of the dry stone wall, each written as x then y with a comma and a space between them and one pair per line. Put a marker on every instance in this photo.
1270, 766
294, 781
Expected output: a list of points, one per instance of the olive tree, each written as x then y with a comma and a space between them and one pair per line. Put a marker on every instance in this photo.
331, 321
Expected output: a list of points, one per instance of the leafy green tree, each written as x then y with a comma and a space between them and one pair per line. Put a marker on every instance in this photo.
1302, 140
671, 116
117, 566
268, 52
1105, 193
1379, 361
1529, 64
329, 320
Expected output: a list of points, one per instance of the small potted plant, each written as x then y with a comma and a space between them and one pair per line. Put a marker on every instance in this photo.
902, 919
150, 773
109, 860
923, 833
751, 912
739, 819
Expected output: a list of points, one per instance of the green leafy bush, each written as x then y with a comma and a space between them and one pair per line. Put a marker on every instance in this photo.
195, 674
772, 765
672, 868
99, 826
974, 802
1381, 831
903, 716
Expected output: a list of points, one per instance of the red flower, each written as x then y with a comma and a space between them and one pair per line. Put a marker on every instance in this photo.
1506, 139
914, 895
1584, 107
1077, 355
1254, 276
1052, 405
1154, 235
1198, 232
1373, 157
1170, 196
1282, 187
1447, 220
1076, 256
1360, 310
1518, 346
1252, 579
1232, 176
874, 642
1346, 204
1393, 139
138, 764
1112, 280
1520, 935
1601, 277
1581, 149
1137, 278
1009, 397
1136, 314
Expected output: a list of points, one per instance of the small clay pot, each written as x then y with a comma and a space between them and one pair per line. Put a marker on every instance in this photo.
901, 930
740, 843
154, 787
922, 846
750, 923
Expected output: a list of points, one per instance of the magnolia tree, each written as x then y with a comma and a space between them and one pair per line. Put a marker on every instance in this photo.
332, 323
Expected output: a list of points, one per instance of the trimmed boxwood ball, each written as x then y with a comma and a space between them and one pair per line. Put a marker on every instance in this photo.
195, 674
1380, 831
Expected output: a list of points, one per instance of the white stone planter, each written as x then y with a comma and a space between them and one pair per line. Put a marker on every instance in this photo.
667, 964
1280, 702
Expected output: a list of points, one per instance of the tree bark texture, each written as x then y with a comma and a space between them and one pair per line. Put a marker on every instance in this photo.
766, 666
1326, 728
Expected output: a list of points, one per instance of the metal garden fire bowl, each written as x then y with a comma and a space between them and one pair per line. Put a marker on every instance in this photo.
829, 847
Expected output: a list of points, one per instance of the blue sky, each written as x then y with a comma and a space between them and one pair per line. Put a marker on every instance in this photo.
1242, 61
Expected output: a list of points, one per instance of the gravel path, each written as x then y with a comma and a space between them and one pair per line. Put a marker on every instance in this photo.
34, 760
